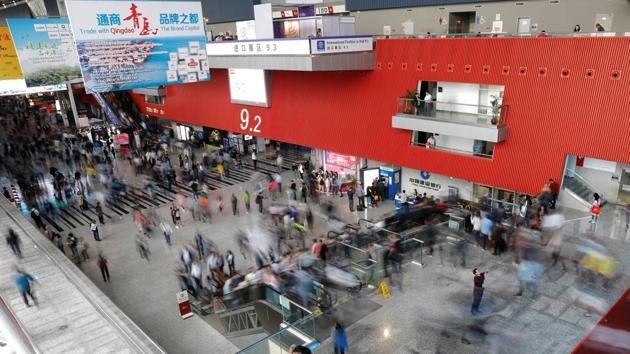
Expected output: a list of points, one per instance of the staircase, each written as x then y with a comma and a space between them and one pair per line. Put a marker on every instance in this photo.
580, 189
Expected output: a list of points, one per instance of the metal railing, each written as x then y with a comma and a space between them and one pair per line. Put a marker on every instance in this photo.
573, 173
14, 332
133, 335
453, 150
299, 333
454, 112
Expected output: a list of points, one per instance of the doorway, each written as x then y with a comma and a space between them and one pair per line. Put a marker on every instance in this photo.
459, 22
524, 25
427, 86
603, 23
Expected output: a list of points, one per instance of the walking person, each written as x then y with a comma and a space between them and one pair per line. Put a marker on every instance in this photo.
480, 277
360, 197
168, 232
626, 211
94, 229
486, 229
254, 159
229, 257
200, 243
247, 198
259, 201
58, 240
351, 198
99, 213
339, 338
37, 218
595, 209
102, 265
23, 282
72, 243
234, 201
13, 241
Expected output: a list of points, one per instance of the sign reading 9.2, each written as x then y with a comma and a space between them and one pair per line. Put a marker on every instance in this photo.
250, 125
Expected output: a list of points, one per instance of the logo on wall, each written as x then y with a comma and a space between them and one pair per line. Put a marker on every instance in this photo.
425, 175
321, 46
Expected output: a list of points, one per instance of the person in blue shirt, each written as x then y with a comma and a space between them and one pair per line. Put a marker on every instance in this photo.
339, 338
486, 230
23, 282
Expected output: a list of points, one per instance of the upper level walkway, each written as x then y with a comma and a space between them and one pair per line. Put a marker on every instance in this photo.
73, 315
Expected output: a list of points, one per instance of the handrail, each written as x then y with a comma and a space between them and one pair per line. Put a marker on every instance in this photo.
588, 184
284, 330
14, 331
365, 220
48, 249
444, 102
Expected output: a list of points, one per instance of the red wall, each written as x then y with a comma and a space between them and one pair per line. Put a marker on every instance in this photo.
549, 116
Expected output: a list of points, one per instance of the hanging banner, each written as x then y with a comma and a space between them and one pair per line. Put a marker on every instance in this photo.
125, 45
9, 65
45, 50
18, 87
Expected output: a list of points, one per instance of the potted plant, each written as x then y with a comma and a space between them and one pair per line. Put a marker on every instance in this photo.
496, 109
407, 103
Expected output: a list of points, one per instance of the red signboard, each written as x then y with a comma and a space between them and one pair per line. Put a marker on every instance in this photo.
339, 160
123, 139
185, 310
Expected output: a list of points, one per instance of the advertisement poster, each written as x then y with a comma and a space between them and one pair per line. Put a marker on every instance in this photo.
9, 65
45, 50
18, 87
125, 45
341, 163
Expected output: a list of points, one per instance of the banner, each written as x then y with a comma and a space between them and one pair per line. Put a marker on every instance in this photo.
18, 87
9, 65
45, 50
124, 45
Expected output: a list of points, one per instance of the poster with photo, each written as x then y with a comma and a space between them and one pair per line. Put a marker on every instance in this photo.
45, 50
125, 44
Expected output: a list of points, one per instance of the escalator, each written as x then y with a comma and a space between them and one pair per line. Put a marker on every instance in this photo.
111, 116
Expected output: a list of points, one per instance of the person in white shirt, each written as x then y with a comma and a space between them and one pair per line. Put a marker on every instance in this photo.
476, 223
430, 142
428, 103
94, 229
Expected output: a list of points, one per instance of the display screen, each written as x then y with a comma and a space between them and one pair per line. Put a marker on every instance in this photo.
249, 86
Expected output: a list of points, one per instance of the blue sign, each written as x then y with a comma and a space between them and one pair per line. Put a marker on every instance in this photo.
425, 175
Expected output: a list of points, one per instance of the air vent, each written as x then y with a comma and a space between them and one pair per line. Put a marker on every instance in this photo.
542, 72
419, 66
404, 66
522, 71
519, 3
478, 6
450, 68
505, 70
467, 68
565, 73
486, 69
615, 75
433, 67
554, 2
390, 65
590, 73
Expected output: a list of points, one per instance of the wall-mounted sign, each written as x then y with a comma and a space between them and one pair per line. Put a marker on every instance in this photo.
45, 50
341, 45
329, 10
124, 44
18, 87
340, 161
299, 46
9, 64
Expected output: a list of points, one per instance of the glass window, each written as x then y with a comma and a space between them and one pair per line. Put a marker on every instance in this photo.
154, 99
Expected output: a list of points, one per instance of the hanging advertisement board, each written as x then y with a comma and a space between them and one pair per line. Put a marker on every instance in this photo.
125, 45
45, 50
9, 65
18, 87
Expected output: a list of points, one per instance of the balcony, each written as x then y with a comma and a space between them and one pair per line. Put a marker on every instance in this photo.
466, 121
294, 54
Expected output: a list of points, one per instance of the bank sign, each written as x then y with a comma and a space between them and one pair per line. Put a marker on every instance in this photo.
133, 44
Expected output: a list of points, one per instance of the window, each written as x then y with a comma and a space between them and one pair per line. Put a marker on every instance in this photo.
478, 148
154, 99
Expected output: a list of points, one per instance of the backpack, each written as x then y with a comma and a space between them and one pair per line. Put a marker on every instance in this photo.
595, 209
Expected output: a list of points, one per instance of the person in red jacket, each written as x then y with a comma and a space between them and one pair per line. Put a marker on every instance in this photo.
555, 190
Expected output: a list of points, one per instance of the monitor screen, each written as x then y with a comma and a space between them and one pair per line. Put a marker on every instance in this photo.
250, 87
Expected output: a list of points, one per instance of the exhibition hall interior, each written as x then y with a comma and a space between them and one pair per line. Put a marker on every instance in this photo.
314, 176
